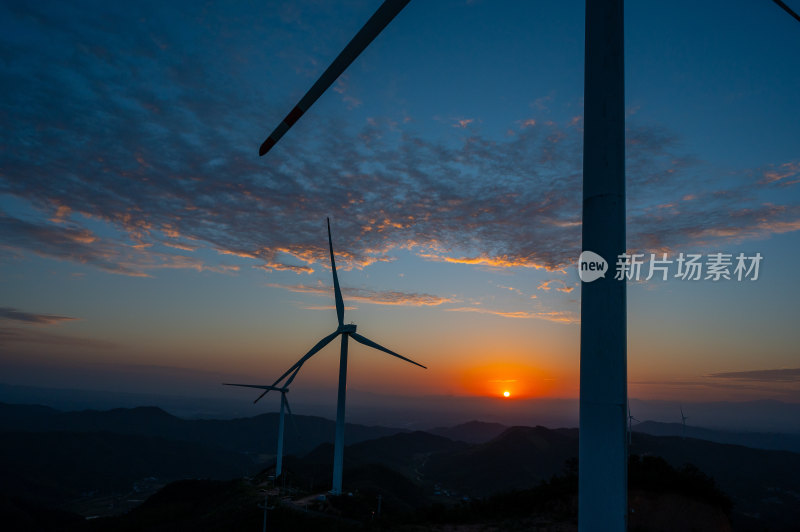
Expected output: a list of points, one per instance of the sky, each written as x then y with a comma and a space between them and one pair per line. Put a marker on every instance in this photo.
144, 245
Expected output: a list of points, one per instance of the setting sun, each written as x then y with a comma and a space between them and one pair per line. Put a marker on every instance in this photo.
506, 394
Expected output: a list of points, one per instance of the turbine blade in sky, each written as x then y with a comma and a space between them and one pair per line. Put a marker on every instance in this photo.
289, 381
366, 341
296, 366
291, 417
383, 16
260, 396
259, 386
337, 292
286, 402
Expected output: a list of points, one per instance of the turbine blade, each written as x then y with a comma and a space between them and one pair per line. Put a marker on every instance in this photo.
337, 292
291, 417
366, 341
296, 366
260, 396
286, 402
259, 386
289, 381
383, 16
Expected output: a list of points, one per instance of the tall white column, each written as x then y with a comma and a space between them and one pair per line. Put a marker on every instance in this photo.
602, 499
338, 450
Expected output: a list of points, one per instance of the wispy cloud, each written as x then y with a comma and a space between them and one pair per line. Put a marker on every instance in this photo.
555, 316
12, 314
762, 375
17, 335
558, 284
375, 297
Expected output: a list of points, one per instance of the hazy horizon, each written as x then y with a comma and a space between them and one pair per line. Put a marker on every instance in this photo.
418, 412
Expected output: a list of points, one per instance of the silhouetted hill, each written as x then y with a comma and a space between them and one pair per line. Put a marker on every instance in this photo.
253, 435
519, 458
471, 432
398, 493
211, 506
67, 454
405, 453
760, 482
402, 452
19, 514
757, 440
55, 467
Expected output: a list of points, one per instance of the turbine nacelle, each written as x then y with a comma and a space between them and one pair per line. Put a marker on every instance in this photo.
347, 328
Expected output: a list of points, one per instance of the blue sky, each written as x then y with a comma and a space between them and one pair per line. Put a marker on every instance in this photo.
140, 231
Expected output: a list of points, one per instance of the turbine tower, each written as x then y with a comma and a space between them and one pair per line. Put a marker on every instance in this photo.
683, 424
346, 331
284, 405
631, 419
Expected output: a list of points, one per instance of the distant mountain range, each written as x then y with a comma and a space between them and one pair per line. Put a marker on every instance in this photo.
52, 468
255, 435
56, 458
215, 401
757, 440
471, 431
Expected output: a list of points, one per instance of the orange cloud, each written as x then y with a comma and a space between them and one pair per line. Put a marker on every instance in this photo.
276, 266
182, 247
784, 171
484, 260
547, 285
62, 213
557, 316
370, 296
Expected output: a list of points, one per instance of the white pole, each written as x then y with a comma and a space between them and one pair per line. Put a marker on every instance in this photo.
278, 466
338, 450
602, 496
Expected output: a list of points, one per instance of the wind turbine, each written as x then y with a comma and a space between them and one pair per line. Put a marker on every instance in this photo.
603, 446
631, 419
346, 331
683, 424
284, 405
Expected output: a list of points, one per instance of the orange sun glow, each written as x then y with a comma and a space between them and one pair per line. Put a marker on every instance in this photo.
506, 394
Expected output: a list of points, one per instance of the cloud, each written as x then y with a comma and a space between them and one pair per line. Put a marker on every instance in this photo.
12, 314
16, 335
763, 375
555, 316
562, 286
785, 174
130, 149
375, 297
